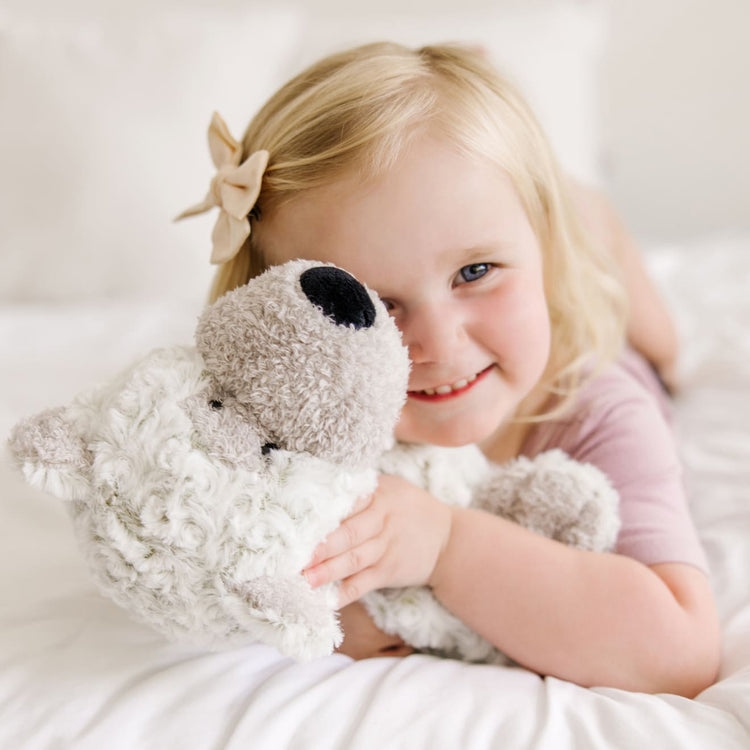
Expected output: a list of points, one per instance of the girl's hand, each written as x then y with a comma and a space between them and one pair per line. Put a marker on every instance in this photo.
362, 640
393, 538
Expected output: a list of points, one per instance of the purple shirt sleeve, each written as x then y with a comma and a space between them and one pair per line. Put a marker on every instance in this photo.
618, 424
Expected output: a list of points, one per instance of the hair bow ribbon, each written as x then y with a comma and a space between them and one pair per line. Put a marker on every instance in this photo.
234, 189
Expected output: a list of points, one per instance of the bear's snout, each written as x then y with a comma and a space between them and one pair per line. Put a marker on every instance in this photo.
339, 295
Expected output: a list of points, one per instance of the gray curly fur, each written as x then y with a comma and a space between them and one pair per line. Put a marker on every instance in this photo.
204, 477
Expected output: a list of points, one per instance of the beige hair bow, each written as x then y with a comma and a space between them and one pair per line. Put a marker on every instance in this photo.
234, 189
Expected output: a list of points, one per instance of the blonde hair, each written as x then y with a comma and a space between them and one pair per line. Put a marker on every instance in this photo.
360, 108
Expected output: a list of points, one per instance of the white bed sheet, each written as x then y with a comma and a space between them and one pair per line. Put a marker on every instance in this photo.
75, 672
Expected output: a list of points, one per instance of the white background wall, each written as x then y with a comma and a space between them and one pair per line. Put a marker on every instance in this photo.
676, 115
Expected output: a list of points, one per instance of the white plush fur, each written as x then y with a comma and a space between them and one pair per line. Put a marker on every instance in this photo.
202, 478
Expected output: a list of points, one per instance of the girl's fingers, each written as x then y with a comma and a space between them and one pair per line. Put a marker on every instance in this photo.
343, 566
355, 587
361, 504
352, 532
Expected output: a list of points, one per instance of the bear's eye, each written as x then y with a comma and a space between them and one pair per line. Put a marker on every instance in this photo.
268, 447
215, 404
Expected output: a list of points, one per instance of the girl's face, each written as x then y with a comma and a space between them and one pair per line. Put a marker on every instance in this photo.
445, 242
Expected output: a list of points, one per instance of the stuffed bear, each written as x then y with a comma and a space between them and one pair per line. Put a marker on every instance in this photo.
201, 479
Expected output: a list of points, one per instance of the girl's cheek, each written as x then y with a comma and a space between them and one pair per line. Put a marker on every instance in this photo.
524, 303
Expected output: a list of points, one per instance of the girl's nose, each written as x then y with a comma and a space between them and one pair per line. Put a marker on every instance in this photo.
432, 333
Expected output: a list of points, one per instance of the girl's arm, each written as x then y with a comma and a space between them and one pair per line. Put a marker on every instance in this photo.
651, 330
591, 618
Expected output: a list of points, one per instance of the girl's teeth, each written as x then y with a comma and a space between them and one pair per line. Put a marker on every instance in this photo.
441, 390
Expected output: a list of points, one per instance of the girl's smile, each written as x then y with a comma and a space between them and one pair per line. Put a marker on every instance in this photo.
449, 391
444, 240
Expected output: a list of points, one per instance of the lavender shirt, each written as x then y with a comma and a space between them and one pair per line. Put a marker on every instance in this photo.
620, 424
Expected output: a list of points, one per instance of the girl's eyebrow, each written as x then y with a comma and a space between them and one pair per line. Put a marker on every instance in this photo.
475, 253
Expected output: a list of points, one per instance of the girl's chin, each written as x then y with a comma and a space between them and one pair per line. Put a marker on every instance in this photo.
450, 435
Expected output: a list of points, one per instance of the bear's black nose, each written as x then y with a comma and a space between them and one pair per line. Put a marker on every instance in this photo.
339, 295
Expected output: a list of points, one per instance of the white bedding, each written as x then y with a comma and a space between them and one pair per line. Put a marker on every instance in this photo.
75, 672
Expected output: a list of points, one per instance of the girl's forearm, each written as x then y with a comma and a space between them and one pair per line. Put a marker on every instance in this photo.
591, 618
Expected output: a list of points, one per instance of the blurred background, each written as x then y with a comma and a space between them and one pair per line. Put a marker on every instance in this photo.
105, 106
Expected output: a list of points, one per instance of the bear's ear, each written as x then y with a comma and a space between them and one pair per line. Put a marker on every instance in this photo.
51, 456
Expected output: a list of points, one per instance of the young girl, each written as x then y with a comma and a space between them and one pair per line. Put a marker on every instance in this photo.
424, 174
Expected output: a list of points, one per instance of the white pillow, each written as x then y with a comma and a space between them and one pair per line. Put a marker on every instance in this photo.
103, 142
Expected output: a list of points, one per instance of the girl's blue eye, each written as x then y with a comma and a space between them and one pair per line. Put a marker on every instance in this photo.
473, 272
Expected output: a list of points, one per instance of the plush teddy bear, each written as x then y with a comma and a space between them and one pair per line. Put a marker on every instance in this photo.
202, 478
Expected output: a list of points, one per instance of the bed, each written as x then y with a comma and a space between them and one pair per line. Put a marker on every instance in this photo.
75, 671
